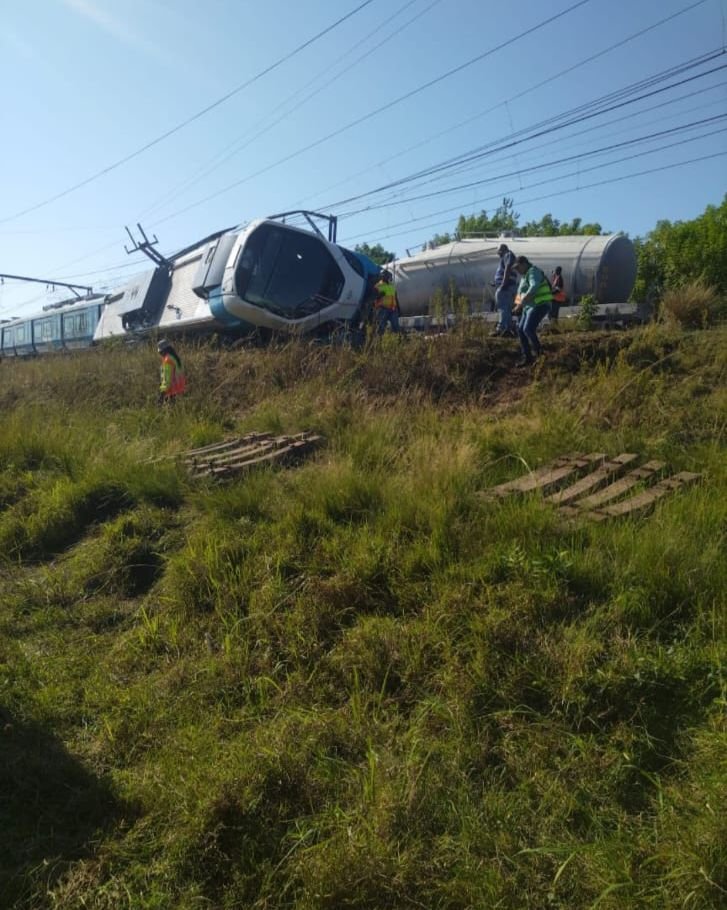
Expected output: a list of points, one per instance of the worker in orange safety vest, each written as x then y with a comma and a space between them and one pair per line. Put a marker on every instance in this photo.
557, 284
172, 378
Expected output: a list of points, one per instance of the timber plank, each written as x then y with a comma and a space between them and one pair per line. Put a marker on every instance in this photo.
643, 501
613, 491
229, 443
594, 480
227, 454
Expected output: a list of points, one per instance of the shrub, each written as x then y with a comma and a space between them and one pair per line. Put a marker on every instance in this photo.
694, 305
587, 311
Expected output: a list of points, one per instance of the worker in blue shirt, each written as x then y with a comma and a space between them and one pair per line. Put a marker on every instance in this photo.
505, 284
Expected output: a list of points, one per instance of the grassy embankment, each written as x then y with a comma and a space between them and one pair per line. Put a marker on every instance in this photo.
355, 683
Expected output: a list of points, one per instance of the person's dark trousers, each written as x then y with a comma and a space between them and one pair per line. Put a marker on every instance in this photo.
527, 328
384, 315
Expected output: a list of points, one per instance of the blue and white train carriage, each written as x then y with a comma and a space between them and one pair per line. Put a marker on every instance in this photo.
62, 327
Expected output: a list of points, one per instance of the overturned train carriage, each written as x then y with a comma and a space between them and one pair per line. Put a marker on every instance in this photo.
604, 266
281, 277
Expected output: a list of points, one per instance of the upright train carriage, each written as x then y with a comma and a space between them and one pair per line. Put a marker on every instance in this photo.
276, 276
63, 327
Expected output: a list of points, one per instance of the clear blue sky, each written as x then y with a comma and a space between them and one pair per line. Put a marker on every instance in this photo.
86, 83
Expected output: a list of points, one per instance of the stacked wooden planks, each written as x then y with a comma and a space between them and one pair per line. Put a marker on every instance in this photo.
236, 456
597, 487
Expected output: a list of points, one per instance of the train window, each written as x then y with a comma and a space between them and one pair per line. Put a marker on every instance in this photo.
287, 272
353, 260
82, 326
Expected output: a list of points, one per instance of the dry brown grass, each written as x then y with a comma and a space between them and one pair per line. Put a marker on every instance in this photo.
694, 305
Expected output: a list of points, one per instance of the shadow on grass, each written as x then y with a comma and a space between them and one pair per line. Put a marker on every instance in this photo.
52, 811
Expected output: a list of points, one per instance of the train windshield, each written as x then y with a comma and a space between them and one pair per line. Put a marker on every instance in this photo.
287, 272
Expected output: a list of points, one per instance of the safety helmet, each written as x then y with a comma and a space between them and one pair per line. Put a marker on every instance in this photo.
163, 346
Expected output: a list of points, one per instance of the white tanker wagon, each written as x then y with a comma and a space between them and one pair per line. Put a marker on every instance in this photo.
602, 265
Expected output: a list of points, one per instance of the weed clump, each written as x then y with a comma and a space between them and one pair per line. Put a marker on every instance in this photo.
695, 305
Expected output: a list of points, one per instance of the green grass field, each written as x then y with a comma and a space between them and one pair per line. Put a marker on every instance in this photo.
356, 683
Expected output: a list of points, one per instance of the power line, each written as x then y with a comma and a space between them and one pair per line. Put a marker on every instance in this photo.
578, 189
545, 182
562, 72
577, 115
459, 163
192, 119
559, 140
519, 95
248, 138
536, 167
384, 107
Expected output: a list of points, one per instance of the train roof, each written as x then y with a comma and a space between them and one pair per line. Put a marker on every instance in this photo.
562, 245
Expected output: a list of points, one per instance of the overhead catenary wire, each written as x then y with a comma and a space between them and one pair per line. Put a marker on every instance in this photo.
599, 127
672, 71
189, 120
536, 167
601, 53
248, 138
577, 189
527, 134
569, 69
495, 150
382, 108
512, 192
535, 87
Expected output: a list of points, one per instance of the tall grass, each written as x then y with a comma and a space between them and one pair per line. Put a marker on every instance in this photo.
357, 683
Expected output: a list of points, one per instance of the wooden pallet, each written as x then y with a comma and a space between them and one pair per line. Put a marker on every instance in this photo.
601, 490
236, 456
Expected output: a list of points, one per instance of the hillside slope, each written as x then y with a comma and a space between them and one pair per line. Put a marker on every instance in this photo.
356, 683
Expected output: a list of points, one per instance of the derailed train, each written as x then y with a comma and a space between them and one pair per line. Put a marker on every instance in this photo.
274, 276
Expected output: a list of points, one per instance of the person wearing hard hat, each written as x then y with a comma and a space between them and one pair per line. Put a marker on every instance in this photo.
172, 378
505, 285
387, 304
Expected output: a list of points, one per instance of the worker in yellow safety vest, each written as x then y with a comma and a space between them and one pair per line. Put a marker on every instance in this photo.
172, 378
387, 304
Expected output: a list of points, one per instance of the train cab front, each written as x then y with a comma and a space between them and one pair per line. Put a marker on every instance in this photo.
284, 278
